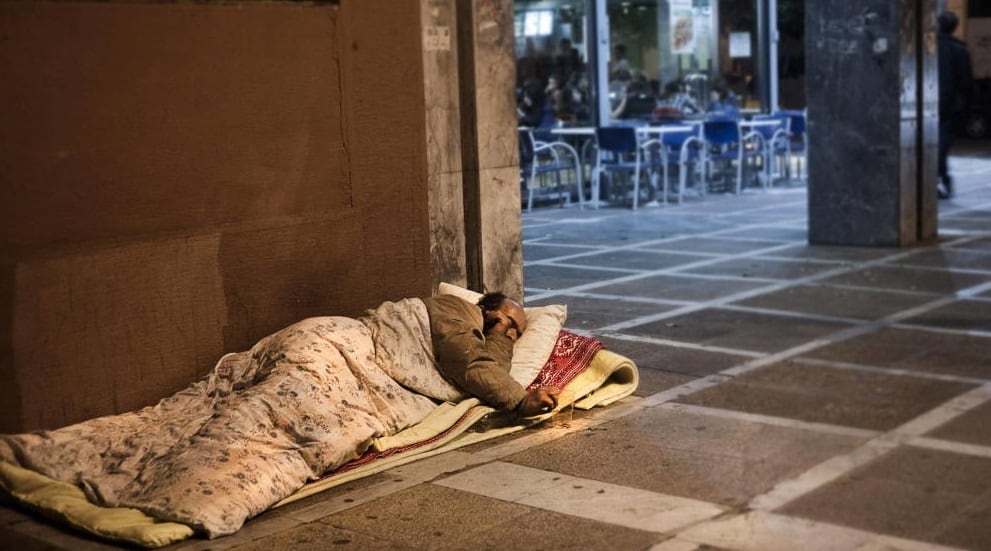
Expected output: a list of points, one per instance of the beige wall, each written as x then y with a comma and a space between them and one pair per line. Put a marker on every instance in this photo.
180, 180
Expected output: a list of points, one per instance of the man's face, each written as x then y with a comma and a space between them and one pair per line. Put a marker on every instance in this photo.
517, 316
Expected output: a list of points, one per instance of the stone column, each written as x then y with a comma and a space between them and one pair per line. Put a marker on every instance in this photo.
872, 128
445, 194
490, 155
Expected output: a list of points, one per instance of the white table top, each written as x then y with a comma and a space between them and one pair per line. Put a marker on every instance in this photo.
762, 123
663, 129
573, 130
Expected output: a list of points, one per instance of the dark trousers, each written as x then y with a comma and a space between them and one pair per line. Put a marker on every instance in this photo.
945, 141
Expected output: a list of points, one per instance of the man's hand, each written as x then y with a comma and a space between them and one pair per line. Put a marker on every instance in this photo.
539, 400
504, 326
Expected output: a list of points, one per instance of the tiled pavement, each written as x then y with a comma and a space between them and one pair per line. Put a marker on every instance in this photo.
792, 397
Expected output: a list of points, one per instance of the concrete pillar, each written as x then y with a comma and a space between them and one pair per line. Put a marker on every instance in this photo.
872, 93
445, 194
490, 155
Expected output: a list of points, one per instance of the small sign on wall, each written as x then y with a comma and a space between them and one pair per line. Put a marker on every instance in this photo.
436, 38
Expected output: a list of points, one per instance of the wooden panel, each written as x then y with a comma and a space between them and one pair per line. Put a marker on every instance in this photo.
110, 330
132, 118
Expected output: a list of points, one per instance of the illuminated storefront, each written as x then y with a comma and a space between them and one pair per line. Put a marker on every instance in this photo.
599, 61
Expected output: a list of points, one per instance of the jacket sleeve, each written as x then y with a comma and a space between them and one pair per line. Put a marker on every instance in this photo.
476, 363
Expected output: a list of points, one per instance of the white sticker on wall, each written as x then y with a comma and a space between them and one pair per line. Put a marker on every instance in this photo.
436, 38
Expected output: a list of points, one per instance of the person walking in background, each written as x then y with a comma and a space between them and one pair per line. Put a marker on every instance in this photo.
955, 84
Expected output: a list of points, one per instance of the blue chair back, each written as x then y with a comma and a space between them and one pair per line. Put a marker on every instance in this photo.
721, 131
796, 120
617, 139
674, 139
768, 132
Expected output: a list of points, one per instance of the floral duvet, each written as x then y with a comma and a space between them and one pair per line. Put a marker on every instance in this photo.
264, 422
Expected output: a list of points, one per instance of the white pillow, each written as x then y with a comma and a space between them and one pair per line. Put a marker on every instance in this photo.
531, 351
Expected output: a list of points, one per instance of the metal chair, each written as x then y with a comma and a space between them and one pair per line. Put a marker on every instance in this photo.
798, 141
620, 149
545, 157
726, 143
681, 145
773, 130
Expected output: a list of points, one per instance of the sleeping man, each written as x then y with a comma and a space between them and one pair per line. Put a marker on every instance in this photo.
473, 345
301, 402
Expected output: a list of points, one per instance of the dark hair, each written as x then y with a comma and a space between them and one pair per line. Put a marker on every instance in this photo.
490, 302
947, 21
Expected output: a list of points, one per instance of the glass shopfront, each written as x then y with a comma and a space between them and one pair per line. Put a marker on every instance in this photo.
596, 62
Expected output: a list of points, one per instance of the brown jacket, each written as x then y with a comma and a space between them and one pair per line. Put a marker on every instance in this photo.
476, 363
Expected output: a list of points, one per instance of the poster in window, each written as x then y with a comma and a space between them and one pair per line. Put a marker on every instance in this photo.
682, 27
739, 44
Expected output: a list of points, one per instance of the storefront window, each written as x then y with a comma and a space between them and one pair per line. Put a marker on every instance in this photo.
657, 59
553, 79
693, 55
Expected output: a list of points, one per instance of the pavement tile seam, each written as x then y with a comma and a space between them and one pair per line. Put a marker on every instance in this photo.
950, 446
792, 314
630, 299
764, 531
830, 470
685, 345
891, 371
601, 501
943, 330
825, 428
590, 267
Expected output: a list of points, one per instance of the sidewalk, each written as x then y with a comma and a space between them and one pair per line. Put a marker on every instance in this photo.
792, 397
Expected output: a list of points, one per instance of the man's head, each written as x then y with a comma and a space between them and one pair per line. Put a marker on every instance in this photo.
947, 21
497, 307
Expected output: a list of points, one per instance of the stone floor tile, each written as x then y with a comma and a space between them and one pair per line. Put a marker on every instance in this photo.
44, 535
825, 300
653, 381
673, 359
779, 233
562, 277
973, 427
915, 350
678, 287
540, 251
760, 531
981, 244
965, 315
840, 255
587, 314
819, 394
903, 278
316, 536
947, 258
634, 259
428, 517
714, 245
549, 530
738, 330
912, 493
345, 492
713, 459
609, 503
762, 268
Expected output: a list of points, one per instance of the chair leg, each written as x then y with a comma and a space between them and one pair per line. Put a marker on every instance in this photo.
636, 186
